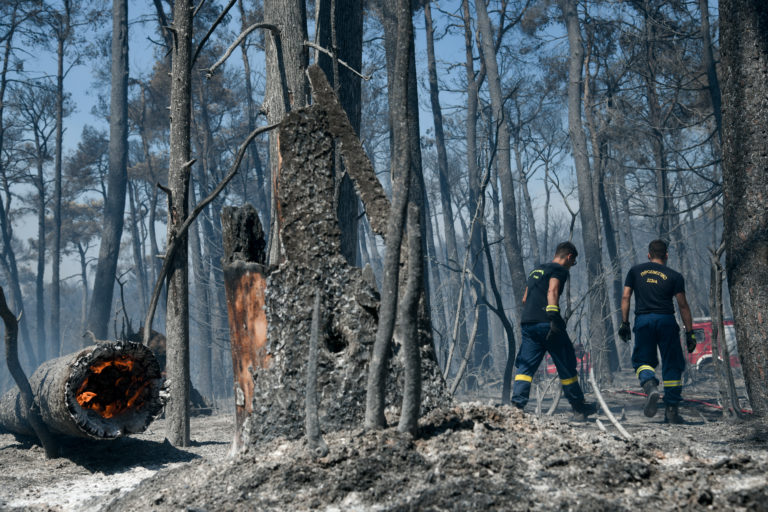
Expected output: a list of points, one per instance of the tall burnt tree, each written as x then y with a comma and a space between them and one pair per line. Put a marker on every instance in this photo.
177, 304
286, 88
744, 54
114, 206
589, 220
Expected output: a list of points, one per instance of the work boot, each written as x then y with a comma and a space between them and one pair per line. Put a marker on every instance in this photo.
652, 397
583, 410
672, 415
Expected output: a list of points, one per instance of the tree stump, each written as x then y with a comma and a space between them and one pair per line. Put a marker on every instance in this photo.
244, 285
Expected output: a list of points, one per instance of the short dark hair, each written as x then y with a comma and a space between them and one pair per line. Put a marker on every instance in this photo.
564, 249
657, 249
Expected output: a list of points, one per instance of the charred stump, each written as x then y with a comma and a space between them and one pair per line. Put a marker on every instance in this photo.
273, 319
104, 392
313, 261
244, 285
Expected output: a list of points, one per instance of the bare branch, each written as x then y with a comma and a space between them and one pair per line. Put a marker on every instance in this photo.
213, 27
330, 54
275, 30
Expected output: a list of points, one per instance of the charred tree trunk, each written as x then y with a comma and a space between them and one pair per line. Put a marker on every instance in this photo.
177, 305
102, 392
286, 87
63, 33
511, 232
587, 211
313, 261
114, 206
244, 282
744, 49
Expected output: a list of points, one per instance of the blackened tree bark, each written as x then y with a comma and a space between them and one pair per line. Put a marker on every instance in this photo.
341, 31
744, 57
589, 222
114, 206
177, 305
286, 88
63, 30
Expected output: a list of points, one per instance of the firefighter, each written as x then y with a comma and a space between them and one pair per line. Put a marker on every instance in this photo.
654, 285
544, 331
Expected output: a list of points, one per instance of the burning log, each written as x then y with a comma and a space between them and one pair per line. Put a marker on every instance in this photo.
104, 391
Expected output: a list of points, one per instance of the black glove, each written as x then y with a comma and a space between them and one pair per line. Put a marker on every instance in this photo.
690, 341
556, 322
625, 333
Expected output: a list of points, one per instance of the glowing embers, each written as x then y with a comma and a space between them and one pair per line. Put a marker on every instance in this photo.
114, 386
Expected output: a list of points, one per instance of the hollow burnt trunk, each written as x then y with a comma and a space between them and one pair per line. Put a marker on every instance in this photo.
104, 391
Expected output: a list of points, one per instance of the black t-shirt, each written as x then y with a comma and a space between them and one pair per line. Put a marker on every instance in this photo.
654, 285
534, 310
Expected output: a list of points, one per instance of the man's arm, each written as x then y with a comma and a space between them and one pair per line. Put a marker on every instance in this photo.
553, 293
685, 311
626, 300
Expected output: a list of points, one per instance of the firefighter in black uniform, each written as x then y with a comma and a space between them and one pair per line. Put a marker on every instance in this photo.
544, 331
654, 285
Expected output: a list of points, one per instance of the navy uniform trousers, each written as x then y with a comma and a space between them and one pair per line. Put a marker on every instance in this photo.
532, 350
654, 330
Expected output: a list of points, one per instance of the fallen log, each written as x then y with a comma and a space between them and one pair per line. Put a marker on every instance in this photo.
104, 391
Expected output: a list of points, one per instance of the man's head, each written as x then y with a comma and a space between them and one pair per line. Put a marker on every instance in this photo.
565, 254
657, 250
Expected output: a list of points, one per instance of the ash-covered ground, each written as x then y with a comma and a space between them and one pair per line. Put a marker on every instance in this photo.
473, 456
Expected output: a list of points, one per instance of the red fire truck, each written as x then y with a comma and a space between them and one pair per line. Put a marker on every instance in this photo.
701, 360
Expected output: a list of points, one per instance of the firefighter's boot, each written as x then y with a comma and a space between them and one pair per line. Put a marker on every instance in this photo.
582, 411
652, 397
672, 415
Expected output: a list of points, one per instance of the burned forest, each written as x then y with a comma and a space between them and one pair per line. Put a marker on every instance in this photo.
383, 255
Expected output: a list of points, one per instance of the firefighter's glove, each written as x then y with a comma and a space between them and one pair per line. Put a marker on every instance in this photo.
625, 333
556, 322
690, 341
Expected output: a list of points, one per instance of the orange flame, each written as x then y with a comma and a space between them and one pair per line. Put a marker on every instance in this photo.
115, 392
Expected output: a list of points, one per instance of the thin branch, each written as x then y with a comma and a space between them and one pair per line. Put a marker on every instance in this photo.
197, 9
330, 54
213, 27
237, 43
605, 408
